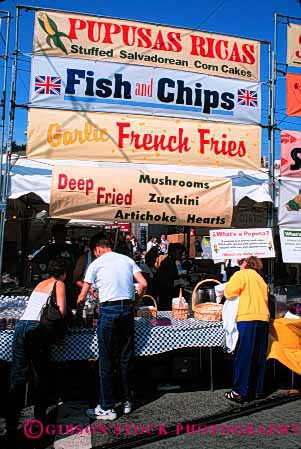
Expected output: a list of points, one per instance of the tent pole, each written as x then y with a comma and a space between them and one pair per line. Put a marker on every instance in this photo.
188, 241
272, 124
4, 89
5, 182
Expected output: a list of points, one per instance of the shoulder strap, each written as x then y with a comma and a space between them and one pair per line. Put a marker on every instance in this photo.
53, 294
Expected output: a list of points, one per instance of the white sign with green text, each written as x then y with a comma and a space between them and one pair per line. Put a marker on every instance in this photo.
290, 245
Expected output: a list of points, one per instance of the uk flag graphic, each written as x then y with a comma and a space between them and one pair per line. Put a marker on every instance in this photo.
48, 85
247, 97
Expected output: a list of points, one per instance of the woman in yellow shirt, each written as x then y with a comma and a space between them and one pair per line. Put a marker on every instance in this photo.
253, 327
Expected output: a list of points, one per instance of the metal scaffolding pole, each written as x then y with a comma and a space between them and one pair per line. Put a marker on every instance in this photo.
5, 167
3, 98
273, 115
272, 125
270, 131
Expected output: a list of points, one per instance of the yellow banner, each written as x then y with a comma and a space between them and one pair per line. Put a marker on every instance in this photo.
139, 43
134, 195
293, 57
108, 137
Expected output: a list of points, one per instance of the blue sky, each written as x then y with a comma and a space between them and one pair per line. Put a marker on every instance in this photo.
250, 19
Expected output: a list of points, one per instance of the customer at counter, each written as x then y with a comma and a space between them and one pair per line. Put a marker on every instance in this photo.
253, 328
59, 248
82, 264
167, 280
31, 346
113, 275
149, 270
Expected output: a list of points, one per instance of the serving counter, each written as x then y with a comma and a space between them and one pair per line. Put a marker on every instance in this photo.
81, 343
150, 339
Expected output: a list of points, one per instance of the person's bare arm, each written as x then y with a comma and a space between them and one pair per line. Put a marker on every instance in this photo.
142, 283
84, 292
78, 275
79, 270
61, 297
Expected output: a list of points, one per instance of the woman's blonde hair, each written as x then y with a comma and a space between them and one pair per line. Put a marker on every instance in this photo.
254, 263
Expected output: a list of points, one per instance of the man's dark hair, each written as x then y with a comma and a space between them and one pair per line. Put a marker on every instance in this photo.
57, 267
96, 238
100, 240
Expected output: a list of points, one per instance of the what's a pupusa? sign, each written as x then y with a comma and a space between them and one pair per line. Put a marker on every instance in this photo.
241, 243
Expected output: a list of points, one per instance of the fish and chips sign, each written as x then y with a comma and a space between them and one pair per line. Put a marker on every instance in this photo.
133, 195
110, 137
78, 84
241, 243
89, 37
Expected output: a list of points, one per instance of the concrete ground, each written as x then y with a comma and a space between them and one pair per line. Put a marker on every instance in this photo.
278, 427
157, 412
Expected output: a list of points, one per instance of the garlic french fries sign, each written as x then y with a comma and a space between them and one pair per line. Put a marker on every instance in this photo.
133, 195
110, 137
106, 39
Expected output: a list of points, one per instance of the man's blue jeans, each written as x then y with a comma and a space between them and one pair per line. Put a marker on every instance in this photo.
115, 332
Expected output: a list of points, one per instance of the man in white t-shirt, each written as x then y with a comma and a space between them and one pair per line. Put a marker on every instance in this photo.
164, 244
112, 274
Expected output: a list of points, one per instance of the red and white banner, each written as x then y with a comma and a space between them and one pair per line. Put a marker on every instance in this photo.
290, 153
293, 95
106, 39
293, 54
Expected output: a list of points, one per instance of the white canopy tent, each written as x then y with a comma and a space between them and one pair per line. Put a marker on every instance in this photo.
28, 176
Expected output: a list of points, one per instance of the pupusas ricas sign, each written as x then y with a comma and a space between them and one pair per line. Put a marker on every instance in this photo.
139, 43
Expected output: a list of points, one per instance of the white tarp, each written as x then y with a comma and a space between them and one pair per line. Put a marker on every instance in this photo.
289, 210
77, 84
35, 176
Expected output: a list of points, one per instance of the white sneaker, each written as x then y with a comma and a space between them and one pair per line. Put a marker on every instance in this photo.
99, 413
127, 407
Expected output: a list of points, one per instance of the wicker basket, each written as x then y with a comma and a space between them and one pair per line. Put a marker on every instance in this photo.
207, 311
180, 312
147, 311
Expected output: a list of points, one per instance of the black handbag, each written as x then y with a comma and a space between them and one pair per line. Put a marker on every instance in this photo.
52, 323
